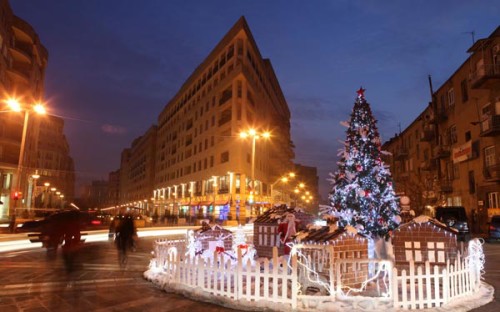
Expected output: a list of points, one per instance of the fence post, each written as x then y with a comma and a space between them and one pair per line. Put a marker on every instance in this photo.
238, 276
446, 284
294, 281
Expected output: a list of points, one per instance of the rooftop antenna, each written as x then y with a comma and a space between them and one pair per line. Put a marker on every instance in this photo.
399, 126
472, 33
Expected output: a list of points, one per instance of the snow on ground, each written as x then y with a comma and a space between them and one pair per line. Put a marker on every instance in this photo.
482, 297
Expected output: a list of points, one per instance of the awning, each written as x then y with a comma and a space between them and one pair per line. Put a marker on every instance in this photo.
184, 203
205, 203
195, 203
220, 202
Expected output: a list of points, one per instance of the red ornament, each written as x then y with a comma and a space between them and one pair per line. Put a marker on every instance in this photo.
361, 93
243, 246
367, 193
219, 249
359, 167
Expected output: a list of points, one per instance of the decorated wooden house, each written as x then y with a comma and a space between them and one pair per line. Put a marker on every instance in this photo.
214, 236
424, 239
326, 244
265, 230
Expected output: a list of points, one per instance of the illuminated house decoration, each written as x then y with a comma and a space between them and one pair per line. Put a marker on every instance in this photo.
213, 238
265, 228
346, 243
424, 239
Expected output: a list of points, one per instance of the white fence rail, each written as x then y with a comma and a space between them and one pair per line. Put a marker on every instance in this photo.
276, 281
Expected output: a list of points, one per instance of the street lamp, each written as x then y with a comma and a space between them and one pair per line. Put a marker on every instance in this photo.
16, 106
283, 179
34, 178
254, 135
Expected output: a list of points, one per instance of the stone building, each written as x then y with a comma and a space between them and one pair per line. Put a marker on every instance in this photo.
450, 154
26, 165
201, 165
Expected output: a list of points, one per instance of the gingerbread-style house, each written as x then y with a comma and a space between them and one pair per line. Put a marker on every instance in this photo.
341, 243
265, 230
211, 237
424, 239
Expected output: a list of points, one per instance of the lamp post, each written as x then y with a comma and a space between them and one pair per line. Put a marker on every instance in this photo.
15, 106
254, 135
34, 178
283, 179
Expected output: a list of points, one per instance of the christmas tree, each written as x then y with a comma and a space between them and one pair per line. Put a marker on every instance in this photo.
362, 194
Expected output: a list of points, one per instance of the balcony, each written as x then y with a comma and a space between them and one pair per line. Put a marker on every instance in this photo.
485, 76
427, 165
490, 126
401, 154
21, 53
19, 75
446, 186
428, 134
492, 173
441, 151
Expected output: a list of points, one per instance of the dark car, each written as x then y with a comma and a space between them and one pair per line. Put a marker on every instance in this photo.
454, 217
494, 229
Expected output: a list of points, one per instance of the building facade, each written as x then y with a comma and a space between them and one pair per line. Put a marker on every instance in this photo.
202, 167
137, 171
39, 158
450, 155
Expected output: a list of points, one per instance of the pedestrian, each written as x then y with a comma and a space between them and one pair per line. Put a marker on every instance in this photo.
71, 237
125, 238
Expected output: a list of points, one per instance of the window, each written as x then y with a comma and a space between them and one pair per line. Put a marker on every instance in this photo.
453, 134
224, 157
465, 94
467, 136
451, 97
489, 156
472, 182
493, 200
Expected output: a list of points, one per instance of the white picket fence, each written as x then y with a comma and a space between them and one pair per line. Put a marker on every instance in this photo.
426, 287
276, 281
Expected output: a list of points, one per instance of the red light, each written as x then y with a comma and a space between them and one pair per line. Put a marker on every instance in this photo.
492, 228
95, 222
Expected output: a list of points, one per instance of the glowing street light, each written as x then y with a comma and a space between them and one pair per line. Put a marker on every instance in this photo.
16, 106
252, 133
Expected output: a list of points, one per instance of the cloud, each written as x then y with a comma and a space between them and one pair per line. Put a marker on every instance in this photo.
114, 130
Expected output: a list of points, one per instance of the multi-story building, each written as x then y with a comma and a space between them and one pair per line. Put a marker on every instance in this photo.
450, 155
309, 196
23, 60
137, 171
202, 166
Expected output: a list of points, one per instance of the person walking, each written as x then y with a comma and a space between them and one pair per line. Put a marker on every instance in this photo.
124, 239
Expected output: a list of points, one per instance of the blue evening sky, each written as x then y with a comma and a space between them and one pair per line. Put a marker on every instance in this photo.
114, 64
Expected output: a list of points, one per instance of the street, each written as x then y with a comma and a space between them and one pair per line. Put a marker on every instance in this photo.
31, 282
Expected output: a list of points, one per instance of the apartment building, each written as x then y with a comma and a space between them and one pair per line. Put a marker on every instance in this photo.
137, 170
201, 165
450, 154
23, 60
308, 197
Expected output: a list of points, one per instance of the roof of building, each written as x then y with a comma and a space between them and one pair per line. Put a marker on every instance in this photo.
275, 214
426, 219
324, 234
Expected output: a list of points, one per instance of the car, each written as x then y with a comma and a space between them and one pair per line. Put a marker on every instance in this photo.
454, 217
494, 229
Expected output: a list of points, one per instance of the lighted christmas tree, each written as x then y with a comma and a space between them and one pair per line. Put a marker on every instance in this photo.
362, 194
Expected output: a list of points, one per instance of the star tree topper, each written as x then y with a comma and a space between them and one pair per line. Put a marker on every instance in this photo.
361, 93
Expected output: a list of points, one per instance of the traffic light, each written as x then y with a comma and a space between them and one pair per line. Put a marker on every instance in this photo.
17, 195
